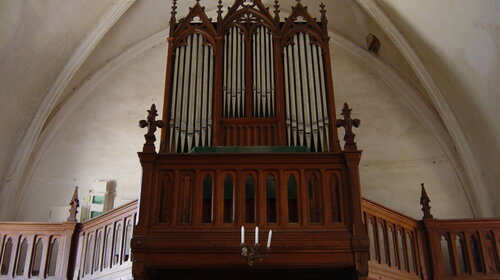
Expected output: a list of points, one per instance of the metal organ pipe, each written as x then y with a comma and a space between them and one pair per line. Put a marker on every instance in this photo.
192, 91
305, 95
263, 74
234, 74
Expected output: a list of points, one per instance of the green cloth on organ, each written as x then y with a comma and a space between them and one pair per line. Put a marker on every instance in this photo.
250, 149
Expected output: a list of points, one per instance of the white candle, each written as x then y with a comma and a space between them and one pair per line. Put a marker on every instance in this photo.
269, 236
242, 234
256, 235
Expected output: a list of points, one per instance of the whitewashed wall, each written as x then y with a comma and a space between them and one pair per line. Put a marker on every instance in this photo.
101, 139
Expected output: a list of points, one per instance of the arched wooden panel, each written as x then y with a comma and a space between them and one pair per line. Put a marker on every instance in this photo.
108, 241
166, 198
250, 197
37, 258
446, 255
52, 261
185, 197
293, 197
97, 251
207, 198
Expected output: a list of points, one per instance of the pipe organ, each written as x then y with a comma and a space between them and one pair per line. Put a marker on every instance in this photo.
249, 137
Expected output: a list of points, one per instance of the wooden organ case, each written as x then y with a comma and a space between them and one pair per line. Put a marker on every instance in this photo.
249, 137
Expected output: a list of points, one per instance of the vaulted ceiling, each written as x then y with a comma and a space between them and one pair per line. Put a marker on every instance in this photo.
447, 52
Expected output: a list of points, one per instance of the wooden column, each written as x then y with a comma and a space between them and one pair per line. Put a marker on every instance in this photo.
360, 242
165, 134
140, 230
330, 97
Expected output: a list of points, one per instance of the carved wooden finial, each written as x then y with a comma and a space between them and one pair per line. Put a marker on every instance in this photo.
348, 123
74, 203
151, 123
322, 10
219, 11
276, 11
424, 201
173, 12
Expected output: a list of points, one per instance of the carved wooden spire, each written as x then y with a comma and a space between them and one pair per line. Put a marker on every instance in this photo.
324, 20
219, 11
74, 203
424, 201
348, 123
173, 13
151, 123
276, 11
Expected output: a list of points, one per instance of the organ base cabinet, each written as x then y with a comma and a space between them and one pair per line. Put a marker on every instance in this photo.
199, 202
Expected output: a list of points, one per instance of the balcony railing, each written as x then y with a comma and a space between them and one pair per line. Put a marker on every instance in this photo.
400, 247
97, 249
35, 250
465, 249
104, 245
394, 246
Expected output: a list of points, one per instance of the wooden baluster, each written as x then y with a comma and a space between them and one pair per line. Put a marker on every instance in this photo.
486, 261
376, 239
454, 252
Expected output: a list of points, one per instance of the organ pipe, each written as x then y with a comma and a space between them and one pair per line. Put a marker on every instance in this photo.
191, 105
305, 95
263, 90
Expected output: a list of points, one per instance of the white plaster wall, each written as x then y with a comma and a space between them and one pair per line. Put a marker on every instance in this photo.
101, 139
398, 152
459, 42
36, 40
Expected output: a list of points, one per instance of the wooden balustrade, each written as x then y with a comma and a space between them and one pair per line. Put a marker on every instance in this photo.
394, 246
400, 247
35, 250
465, 248
104, 245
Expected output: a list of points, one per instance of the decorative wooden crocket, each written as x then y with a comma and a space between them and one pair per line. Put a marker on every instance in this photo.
348, 123
74, 203
424, 201
151, 123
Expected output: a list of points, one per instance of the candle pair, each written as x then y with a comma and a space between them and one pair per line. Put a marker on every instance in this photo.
269, 236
